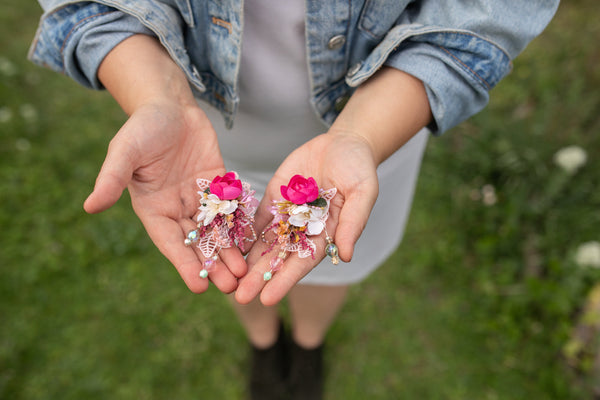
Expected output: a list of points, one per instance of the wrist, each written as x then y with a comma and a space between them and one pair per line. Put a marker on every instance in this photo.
386, 111
139, 71
361, 139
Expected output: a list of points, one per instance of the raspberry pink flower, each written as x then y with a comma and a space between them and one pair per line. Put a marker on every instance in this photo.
226, 187
300, 190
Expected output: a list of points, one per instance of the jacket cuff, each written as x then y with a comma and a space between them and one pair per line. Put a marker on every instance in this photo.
75, 39
457, 82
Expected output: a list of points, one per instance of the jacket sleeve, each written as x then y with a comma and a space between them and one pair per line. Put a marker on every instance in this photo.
75, 38
461, 50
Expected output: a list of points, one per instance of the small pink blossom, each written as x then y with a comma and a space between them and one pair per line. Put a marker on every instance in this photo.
226, 187
300, 190
249, 202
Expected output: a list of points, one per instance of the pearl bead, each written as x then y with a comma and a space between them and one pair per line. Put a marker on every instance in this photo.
332, 251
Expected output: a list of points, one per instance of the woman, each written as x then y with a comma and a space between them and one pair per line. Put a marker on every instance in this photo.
376, 77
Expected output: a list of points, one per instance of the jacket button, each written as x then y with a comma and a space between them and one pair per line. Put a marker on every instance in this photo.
354, 70
336, 42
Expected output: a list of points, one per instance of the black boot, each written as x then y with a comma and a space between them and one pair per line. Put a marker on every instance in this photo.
269, 370
306, 373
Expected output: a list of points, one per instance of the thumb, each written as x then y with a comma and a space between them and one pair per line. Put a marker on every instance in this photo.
114, 176
352, 221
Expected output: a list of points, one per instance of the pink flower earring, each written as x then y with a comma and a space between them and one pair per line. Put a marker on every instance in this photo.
226, 212
301, 213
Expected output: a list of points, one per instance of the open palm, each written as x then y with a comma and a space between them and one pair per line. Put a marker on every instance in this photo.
333, 160
157, 155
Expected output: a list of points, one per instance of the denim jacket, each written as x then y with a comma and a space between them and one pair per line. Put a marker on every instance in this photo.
459, 49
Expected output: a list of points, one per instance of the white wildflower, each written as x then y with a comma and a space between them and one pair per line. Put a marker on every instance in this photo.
28, 112
570, 158
211, 205
5, 114
311, 217
7, 68
489, 195
588, 254
23, 144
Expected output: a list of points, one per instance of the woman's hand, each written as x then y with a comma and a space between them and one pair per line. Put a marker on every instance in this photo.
157, 155
381, 116
336, 159
166, 144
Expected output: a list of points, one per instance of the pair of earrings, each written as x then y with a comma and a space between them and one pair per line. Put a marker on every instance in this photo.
226, 214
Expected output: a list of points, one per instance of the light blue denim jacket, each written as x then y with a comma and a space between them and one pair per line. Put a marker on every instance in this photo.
459, 49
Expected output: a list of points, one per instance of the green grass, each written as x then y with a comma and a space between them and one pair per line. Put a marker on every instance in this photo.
476, 304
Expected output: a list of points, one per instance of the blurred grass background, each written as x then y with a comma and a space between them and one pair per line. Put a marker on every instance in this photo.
479, 302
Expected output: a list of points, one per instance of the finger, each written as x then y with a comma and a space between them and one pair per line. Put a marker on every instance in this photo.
252, 283
293, 270
114, 176
353, 217
168, 236
234, 260
221, 273
222, 278
251, 238
282, 281
169, 240
272, 291
231, 258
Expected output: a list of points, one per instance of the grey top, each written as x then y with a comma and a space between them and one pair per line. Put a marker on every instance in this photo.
275, 118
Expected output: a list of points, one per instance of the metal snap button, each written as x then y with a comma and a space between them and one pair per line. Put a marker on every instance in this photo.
336, 42
354, 69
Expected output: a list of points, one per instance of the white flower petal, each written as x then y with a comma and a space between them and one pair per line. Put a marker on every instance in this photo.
298, 220
317, 212
299, 209
227, 207
210, 216
315, 227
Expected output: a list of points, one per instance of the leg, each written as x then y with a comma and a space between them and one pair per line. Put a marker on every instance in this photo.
260, 323
268, 365
313, 310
